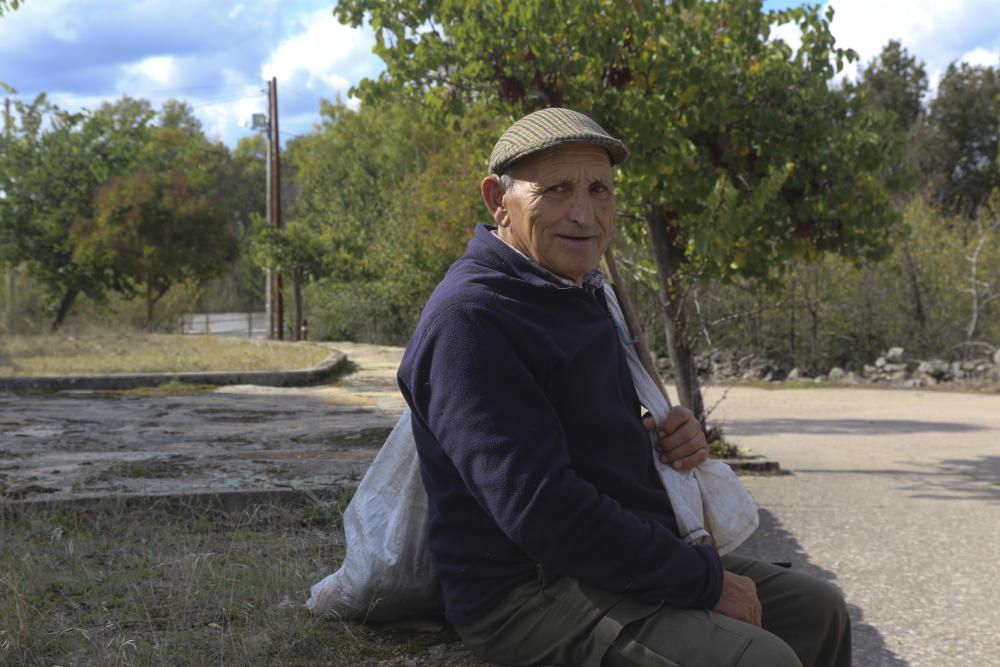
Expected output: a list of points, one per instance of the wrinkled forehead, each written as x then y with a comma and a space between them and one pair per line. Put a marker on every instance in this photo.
572, 161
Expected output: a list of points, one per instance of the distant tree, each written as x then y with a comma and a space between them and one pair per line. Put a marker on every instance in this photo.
742, 155
965, 116
353, 177
56, 164
246, 179
111, 173
178, 115
983, 285
894, 82
151, 230
244, 192
298, 250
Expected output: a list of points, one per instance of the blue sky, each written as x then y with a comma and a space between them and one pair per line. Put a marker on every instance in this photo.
217, 54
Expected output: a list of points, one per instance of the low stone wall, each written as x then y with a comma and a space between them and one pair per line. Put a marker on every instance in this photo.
895, 368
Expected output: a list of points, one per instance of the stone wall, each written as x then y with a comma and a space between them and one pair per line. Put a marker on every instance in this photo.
894, 369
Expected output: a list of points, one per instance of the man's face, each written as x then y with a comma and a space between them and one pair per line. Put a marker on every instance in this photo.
560, 209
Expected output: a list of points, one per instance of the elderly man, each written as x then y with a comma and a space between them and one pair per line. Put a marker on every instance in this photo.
553, 538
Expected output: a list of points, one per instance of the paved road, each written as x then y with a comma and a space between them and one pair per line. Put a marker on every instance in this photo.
894, 495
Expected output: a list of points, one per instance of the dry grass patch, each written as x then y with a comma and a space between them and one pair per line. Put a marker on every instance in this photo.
150, 353
115, 585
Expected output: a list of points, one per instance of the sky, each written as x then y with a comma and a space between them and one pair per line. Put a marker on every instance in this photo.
218, 54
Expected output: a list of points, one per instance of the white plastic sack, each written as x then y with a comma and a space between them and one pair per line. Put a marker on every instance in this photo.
386, 573
710, 503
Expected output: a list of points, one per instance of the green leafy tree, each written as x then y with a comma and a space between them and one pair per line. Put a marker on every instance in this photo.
246, 179
390, 191
244, 191
352, 177
57, 163
164, 220
965, 116
298, 250
894, 82
111, 173
151, 230
742, 155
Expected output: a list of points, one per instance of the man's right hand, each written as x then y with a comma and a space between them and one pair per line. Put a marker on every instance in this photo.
739, 599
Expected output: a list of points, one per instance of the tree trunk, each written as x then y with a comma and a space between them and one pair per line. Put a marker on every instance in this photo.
297, 290
669, 255
919, 315
150, 302
11, 293
793, 341
69, 298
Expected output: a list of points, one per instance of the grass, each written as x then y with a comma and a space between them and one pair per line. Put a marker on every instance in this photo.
149, 353
111, 584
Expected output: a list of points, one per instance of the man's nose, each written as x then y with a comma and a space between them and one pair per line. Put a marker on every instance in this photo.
581, 208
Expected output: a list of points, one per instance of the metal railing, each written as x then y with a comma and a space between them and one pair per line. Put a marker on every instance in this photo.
240, 325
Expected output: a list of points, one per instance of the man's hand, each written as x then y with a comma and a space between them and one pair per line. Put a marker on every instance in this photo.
739, 599
680, 440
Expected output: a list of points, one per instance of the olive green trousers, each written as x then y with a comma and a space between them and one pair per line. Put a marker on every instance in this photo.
559, 621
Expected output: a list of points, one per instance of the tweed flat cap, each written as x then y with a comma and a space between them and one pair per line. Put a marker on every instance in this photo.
546, 128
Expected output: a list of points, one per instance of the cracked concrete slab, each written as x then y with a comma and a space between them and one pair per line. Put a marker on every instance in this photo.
86, 444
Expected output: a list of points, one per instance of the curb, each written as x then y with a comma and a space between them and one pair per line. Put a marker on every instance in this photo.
336, 363
755, 465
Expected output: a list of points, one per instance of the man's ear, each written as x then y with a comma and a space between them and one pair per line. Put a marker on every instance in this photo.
493, 195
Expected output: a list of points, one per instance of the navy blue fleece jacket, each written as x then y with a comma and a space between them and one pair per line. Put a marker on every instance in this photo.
531, 445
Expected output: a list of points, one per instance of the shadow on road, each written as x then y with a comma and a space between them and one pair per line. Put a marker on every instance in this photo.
963, 479
773, 543
843, 426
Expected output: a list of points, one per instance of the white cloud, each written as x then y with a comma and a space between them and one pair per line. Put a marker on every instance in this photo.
789, 33
214, 55
937, 32
982, 57
315, 57
155, 71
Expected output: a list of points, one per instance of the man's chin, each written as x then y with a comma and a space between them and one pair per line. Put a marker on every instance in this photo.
574, 271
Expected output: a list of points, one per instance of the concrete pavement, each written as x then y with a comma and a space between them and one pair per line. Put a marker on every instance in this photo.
894, 496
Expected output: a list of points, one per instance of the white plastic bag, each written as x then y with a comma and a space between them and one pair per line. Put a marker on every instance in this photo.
710, 503
386, 573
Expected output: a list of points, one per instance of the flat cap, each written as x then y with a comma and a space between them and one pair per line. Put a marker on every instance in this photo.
547, 128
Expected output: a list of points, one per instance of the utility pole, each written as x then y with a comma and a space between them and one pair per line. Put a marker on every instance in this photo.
274, 192
11, 287
265, 124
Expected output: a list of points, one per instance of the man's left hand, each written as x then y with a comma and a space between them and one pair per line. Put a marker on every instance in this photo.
680, 440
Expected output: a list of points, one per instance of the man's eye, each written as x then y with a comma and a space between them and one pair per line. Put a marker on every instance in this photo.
556, 188
598, 188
